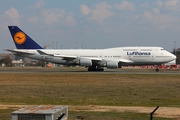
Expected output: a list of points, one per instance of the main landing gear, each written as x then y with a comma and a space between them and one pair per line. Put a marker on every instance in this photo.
95, 68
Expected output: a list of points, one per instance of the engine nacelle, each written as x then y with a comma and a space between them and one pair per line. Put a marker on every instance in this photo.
112, 64
85, 62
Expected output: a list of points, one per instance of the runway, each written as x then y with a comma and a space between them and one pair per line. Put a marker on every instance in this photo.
65, 70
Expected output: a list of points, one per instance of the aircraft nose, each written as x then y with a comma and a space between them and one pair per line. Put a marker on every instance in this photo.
173, 56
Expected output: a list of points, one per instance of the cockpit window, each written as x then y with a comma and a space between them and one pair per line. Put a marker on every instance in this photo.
162, 49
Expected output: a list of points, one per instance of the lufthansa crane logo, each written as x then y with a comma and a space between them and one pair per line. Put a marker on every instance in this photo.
19, 37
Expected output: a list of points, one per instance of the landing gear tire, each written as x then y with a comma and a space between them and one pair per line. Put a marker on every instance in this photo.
100, 69
157, 69
94, 68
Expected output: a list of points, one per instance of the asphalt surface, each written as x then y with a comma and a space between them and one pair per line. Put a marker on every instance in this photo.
84, 71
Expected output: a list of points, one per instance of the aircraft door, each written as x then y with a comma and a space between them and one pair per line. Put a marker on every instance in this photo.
152, 54
101, 56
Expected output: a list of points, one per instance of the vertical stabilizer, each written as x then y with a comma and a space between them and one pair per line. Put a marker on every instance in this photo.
22, 40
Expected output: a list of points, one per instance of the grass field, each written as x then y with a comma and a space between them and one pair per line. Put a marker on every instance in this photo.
147, 90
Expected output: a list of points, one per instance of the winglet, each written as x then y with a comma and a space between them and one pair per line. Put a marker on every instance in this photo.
22, 40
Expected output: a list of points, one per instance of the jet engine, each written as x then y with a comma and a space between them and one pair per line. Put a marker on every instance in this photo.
112, 64
85, 62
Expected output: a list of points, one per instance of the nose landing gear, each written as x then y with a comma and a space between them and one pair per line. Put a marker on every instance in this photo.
157, 69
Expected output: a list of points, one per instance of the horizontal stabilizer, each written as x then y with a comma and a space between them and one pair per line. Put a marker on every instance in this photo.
19, 52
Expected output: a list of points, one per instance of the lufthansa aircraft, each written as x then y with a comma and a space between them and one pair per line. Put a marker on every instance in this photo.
93, 59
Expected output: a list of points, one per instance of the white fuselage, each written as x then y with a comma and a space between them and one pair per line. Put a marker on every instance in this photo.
121, 55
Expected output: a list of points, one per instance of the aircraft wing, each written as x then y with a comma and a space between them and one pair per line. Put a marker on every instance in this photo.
18, 52
71, 57
68, 57
64, 57
125, 61
93, 58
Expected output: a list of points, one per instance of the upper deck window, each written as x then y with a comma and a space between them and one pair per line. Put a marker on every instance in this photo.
129, 49
146, 49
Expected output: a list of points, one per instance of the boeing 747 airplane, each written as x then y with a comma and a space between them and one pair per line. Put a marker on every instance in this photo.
93, 59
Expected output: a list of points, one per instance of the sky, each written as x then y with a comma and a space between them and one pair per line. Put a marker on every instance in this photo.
92, 24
